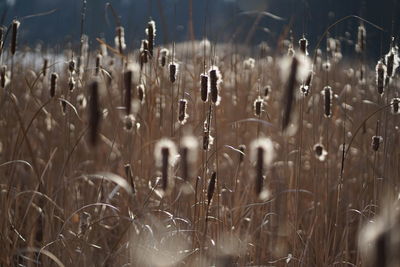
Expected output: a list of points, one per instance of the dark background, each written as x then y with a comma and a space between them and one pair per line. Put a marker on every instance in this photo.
224, 20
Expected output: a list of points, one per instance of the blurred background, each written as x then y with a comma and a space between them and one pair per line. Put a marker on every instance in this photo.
227, 20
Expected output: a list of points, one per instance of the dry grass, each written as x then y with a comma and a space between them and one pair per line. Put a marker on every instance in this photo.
82, 186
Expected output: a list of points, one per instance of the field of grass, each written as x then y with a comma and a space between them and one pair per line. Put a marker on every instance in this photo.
198, 153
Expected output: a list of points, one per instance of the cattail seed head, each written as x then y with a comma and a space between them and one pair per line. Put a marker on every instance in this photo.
128, 76
71, 83
328, 94
361, 39
129, 122
71, 66
183, 116
98, 64
249, 64
141, 93
2, 31
53, 84
262, 154
289, 93
320, 152
120, 39
165, 154
242, 149
380, 76
392, 61
258, 106
164, 56
188, 152
215, 80
376, 141
144, 53
94, 112
81, 101
303, 44
266, 91
14, 33
3, 77
129, 176
45, 66
395, 106
173, 71
211, 188
204, 87
151, 32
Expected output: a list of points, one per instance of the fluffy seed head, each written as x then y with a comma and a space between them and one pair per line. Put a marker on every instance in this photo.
151, 33
129, 122
327, 93
164, 56
204, 87
303, 44
165, 154
380, 76
215, 80
98, 64
183, 116
249, 64
188, 151
320, 152
71, 83
361, 39
120, 39
173, 71
376, 141
258, 106
395, 106
392, 61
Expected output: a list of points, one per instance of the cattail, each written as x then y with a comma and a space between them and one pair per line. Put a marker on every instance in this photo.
98, 64
94, 112
81, 101
380, 76
45, 66
266, 91
289, 93
71, 83
129, 176
320, 152
395, 106
215, 80
71, 66
303, 44
129, 122
165, 155
188, 152
204, 87
63, 104
327, 93
151, 32
392, 61
53, 84
249, 64
173, 70
2, 30
361, 39
144, 53
120, 39
182, 116
242, 149
141, 93
211, 188
128, 76
262, 153
376, 141
15, 26
3, 77
164, 56
258, 105
207, 138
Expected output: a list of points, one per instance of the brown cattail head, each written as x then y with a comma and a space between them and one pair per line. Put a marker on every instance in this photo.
215, 80
151, 32
120, 39
361, 39
289, 93
242, 149
141, 93
45, 66
71, 66
71, 83
380, 76
98, 64
262, 154
128, 76
53, 84
376, 141
303, 44
188, 152
211, 188
14, 33
392, 61
395, 106
258, 106
165, 155
129, 122
144, 53
182, 114
129, 176
3, 77
204, 87
320, 152
173, 71
94, 112
328, 94
164, 56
